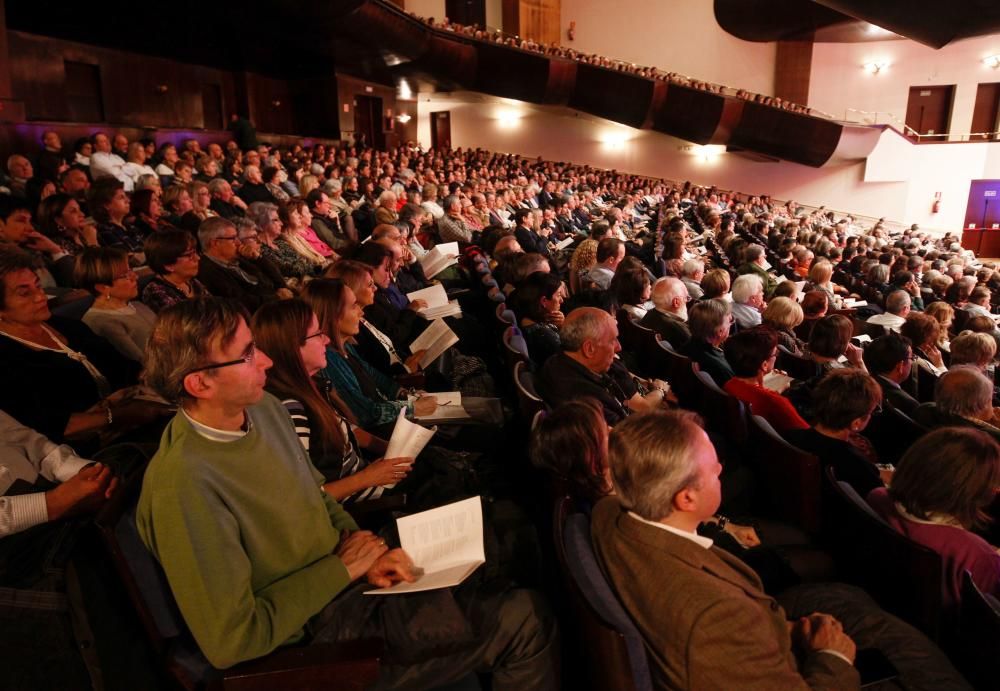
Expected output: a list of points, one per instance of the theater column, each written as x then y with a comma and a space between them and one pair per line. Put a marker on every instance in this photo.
11, 109
792, 67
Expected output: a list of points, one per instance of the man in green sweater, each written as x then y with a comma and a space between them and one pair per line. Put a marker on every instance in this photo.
257, 556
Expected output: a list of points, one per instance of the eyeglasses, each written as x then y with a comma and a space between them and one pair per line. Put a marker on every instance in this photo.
249, 238
127, 274
234, 238
190, 254
318, 334
248, 357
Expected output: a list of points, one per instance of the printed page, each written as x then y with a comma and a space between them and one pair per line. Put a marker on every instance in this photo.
433, 296
563, 244
777, 381
446, 543
435, 339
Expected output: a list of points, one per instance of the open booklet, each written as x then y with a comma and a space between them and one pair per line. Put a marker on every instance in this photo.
445, 543
777, 381
439, 258
435, 339
408, 439
437, 301
566, 242
449, 407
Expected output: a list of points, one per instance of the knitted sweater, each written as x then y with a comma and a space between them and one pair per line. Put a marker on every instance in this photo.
244, 534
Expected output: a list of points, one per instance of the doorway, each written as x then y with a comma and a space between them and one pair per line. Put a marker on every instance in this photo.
466, 12
368, 122
928, 110
441, 130
986, 113
211, 106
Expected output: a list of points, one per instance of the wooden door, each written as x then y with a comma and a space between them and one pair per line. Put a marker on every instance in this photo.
928, 110
211, 106
368, 121
986, 113
466, 12
441, 130
84, 97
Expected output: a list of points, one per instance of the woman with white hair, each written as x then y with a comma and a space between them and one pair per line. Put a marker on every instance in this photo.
385, 212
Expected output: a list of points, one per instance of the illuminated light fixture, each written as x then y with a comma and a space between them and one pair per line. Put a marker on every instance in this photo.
708, 153
875, 67
404, 118
992, 61
404, 90
508, 119
615, 139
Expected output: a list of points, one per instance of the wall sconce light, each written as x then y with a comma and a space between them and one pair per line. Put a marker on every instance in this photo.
276, 103
508, 119
404, 118
162, 88
874, 67
708, 153
992, 61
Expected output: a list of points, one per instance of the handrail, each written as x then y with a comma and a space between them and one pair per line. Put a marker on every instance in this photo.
910, 132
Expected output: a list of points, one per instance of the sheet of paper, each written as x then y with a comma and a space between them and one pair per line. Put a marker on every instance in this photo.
435, 339
435, 296
408, 439
863, 338
443, 397
439, 258
563, 244
443, 413
452, 309
777, 381
446, 542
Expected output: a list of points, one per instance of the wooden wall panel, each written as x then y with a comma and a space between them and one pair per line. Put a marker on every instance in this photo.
348, 87
792, 70
131, 84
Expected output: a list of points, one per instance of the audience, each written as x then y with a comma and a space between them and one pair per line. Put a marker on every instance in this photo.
340, 365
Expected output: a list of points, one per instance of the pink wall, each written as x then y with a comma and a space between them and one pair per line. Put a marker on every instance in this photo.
678, 36
838, 81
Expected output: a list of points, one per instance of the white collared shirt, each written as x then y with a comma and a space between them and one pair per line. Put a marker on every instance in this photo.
693, 537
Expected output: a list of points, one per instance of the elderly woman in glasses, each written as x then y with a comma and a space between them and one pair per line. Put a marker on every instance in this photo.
173, 257
104, 271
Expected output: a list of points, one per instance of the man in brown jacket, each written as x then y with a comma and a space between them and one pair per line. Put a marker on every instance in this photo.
704, 615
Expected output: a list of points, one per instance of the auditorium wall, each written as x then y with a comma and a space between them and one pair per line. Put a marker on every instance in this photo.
426, 8
902, 193
839, 82
675, 36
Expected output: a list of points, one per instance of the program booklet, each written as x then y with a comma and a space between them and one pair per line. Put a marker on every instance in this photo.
446, 543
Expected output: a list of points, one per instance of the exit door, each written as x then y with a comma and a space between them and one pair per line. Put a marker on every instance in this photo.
928, 110
368, 121
441, 130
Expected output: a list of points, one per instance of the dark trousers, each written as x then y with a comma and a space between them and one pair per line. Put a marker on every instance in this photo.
435, 638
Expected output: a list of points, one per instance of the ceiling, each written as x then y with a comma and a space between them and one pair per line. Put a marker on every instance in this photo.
929, 22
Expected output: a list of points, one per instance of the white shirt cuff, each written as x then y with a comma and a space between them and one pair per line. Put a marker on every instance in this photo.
843, 657
21, 512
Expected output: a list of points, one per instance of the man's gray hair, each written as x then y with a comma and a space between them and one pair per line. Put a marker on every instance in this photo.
216, 185
260, 213
746, 286
450, 201
651, 460
706, 317
691, 267
963, 391
212, 228
387, 194
333, 185
897, 302
753, 252
582, 324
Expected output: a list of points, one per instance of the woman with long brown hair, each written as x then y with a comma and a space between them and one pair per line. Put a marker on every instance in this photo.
289, 332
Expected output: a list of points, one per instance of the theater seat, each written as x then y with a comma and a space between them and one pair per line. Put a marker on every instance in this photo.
614, 652
528, 399
978, 643
905, 578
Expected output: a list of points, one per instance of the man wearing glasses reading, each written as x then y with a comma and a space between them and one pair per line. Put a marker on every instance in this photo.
224, 272
258, 556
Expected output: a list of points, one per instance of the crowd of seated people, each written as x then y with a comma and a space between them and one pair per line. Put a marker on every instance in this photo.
559, 51
249, 316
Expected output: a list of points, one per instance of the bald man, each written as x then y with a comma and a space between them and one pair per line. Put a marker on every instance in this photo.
668, 317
